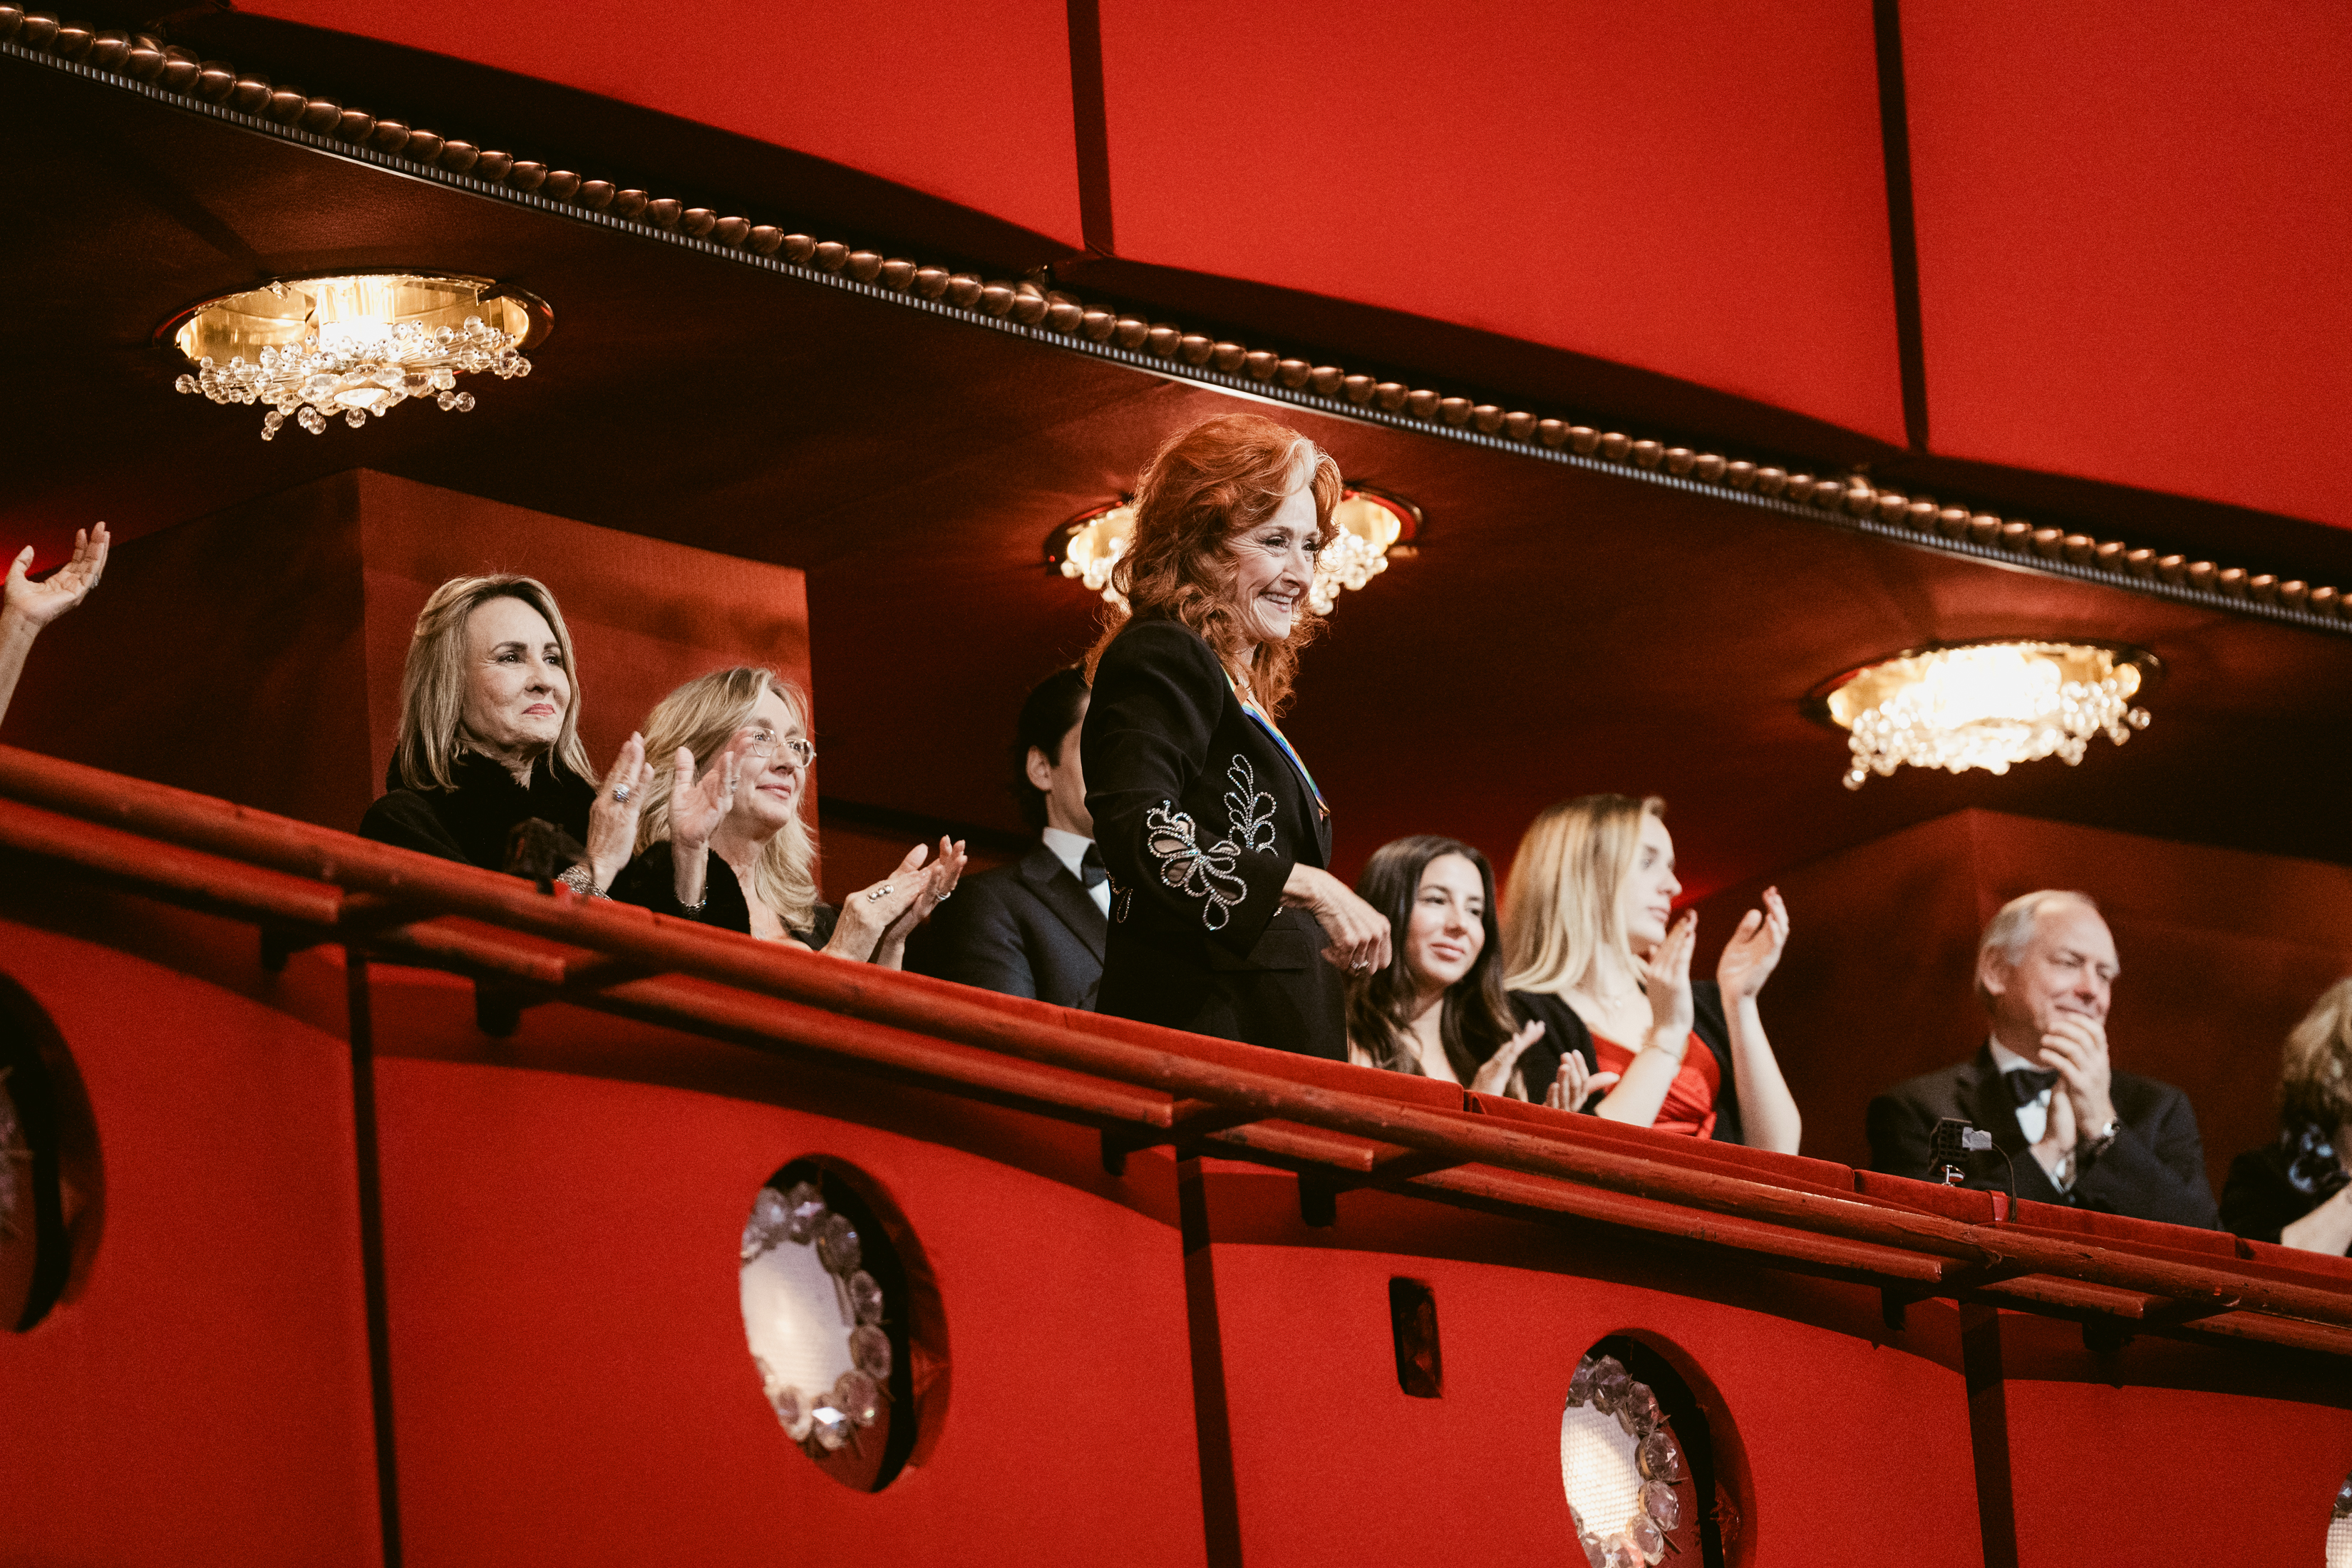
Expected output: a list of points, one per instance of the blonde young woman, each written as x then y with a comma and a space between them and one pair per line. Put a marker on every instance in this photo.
1593, 951
2296, 1190
490, 737
722, 839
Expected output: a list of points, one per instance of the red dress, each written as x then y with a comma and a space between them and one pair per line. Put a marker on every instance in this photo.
1689, 1107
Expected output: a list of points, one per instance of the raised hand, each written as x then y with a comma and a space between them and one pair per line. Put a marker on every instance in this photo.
870, 914
932, 886
38, 604
1665, 979
1754, 949
612, 820
946, 870
1574, 1088
697, 807
2075, 1043
1494, 1075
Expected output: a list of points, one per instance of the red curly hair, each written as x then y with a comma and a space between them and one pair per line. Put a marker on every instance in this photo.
1222, 476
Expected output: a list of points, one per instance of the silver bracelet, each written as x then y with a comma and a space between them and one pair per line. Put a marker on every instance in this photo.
583, 882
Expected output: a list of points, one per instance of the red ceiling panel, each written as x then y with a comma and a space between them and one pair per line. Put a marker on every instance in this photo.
2135, 232
1690, 188
968, 103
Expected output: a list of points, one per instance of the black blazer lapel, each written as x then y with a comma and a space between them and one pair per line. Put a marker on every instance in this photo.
1066, 897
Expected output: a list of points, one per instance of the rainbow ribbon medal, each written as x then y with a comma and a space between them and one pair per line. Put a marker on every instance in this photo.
1266, 724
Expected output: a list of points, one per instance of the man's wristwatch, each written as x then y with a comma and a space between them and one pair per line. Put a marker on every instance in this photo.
2098, 1143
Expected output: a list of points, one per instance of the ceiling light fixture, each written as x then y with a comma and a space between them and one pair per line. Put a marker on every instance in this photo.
354, 344
1986, 705
1369, 527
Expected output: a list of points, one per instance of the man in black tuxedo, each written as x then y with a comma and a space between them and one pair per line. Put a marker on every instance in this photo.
1034, 928
2041, 1084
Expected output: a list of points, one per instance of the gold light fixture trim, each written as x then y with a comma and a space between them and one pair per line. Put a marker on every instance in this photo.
1988, 705
1370, 525
354, 345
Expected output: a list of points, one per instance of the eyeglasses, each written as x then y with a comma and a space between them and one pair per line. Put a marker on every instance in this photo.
767, 744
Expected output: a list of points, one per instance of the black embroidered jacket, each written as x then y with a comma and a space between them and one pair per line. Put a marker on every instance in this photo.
1199, 815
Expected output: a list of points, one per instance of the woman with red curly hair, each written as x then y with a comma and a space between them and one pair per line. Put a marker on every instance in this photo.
1214, 836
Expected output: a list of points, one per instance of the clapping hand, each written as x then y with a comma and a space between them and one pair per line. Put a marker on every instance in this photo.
1665, 979
1494, 1076
1575, 1087
612, 820
876, 921
931, 890
697, 807
38, 604
2075, 1044
1754, 949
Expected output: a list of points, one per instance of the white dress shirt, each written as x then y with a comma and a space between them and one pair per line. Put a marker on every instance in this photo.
2034, 1116
1070, 850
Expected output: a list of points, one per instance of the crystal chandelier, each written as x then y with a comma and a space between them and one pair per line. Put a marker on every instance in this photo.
354, 345
1988, 705
1367, 527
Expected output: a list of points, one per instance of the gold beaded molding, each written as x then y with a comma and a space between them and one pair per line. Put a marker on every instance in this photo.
145, 63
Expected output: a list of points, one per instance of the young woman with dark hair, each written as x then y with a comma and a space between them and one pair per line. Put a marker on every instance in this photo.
1214, 835
1439, 1009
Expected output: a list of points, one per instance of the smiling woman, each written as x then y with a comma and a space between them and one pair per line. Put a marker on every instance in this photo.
489, 738
723, 841
1438, 1009
1212, 830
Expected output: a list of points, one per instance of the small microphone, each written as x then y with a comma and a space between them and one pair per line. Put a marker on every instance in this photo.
1950, 1144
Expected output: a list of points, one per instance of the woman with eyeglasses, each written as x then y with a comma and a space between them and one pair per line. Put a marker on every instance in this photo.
1223, 918
722, 840
489, 738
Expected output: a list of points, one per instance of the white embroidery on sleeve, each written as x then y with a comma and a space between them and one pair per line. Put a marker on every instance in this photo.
1208, 874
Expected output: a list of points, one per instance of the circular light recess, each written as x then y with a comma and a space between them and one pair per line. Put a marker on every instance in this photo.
813, 1315
1987, 705
1627, 1486
355, 344
1368, 524
2339, 1528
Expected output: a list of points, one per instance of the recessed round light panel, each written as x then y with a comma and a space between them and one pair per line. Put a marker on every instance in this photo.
832, 1301
1628, 1486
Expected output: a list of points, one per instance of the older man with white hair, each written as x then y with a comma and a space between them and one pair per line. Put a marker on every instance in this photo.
2042, 1086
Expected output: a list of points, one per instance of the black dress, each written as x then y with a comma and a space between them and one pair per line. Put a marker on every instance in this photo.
472, 821
2271, 1187
650, 882
1200, 814
1565, 1030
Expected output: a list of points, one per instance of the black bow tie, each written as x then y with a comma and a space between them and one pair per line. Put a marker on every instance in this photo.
1091, 869
2027, 1085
